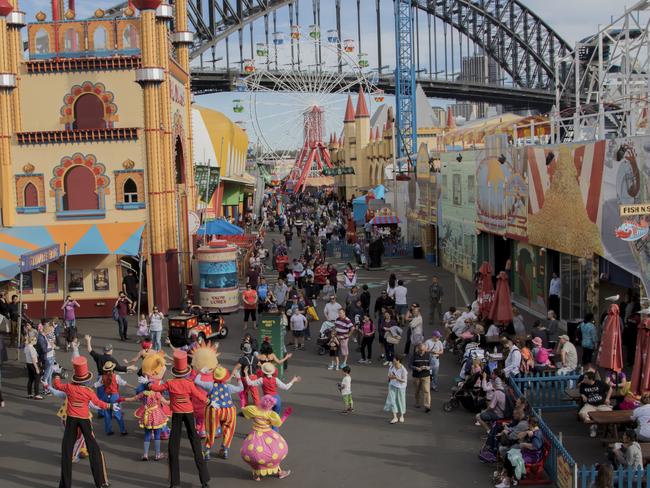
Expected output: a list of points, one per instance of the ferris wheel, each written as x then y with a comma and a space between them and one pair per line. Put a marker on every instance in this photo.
288, 78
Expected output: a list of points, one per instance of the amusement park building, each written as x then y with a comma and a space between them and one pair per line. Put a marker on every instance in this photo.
96, 152
221, 143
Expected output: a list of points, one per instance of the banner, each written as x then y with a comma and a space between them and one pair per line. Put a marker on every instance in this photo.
207, 181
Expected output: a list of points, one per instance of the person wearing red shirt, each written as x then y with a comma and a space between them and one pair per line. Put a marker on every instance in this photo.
249, 297
181, 393
77, 418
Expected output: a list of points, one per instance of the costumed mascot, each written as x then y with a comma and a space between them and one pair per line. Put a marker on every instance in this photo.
220, 412
204, 357
154, 411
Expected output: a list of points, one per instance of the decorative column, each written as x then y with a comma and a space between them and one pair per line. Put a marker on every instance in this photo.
173, 195
150, 78
7, 86
182, 40
15, 22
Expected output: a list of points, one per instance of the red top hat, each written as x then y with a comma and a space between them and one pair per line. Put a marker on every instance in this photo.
81, 373
181, 368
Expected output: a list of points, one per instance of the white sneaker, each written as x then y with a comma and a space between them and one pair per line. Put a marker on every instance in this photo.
477, 423
401, 419
386, 363
361, 361
330, 367
593, 430
503, 484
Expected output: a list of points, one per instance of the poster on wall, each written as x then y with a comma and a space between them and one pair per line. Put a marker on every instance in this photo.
75, 280
28, 283
100, 279
625, 190
53, 282
530, 275
564, 190
502, 196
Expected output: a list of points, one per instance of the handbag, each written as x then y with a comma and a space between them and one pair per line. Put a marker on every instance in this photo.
116, 314
391, 339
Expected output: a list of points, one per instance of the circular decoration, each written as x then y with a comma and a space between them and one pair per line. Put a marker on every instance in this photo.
97, 170
40, 16
29, 168
99, 13
129, 12
128, 164
69, 14
67, 163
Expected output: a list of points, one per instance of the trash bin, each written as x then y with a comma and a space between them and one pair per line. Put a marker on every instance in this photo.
418, 252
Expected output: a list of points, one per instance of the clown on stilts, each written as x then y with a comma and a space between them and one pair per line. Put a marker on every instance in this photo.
220, 413
182, 391
79, 396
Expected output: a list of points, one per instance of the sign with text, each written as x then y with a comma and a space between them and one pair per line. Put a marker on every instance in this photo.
38, 258
270, 328
207, 181
345, 170
566, 476
637, 209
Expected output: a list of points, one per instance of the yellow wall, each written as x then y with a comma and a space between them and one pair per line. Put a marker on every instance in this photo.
235, 141
110, 154
43, 94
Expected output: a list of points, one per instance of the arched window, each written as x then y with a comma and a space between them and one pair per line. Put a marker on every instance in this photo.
180, 162
130, 191
31, 195
89, 112
42, 42
71, 40
80, 191
99, 39
130, 38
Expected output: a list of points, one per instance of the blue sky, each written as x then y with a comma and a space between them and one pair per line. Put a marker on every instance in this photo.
572, 23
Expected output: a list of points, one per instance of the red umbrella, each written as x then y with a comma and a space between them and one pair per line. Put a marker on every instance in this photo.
641, 371
485, 289
610, 353
501, 310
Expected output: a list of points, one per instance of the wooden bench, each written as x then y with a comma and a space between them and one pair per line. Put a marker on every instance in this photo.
612, 418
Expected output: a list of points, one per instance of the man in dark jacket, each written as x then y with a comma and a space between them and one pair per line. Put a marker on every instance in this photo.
383, 301
107, 355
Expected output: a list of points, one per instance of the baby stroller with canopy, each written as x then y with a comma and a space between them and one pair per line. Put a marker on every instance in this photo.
467, 394
324, 337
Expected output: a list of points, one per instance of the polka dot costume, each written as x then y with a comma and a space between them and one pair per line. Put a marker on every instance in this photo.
263, 449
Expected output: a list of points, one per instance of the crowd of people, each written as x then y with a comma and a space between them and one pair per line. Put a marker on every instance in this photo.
350, 324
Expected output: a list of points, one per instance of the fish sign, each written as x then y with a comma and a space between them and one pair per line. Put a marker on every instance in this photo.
631, 231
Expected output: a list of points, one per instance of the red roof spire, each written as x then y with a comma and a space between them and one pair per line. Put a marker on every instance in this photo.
451, 121
362, 108
349, 111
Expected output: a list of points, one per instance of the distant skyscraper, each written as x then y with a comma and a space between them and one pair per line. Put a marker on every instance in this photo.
474, 69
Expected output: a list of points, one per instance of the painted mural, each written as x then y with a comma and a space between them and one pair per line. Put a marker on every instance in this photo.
457, 230
502, 195
627, 182
530, 275
565, 185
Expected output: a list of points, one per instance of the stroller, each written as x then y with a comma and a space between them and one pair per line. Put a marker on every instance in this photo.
323, 337
472, 398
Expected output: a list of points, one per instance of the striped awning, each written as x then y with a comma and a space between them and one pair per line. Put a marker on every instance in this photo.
385, 220
117, 238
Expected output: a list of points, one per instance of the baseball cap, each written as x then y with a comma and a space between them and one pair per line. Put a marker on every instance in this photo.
108, 347
565, 337
436, 333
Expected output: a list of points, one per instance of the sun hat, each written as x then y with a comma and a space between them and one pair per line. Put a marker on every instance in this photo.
537, 341
268, 369
108, 366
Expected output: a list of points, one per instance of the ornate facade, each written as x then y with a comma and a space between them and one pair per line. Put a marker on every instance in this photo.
95, 129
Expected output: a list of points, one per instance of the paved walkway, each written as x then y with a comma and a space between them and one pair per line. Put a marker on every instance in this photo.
326, 449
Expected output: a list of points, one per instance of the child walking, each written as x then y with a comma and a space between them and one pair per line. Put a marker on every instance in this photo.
333, 345
345, 386
143, 328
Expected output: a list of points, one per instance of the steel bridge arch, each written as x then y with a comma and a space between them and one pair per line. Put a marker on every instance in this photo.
521, 43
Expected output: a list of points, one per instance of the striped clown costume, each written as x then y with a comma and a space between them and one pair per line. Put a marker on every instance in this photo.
220, 411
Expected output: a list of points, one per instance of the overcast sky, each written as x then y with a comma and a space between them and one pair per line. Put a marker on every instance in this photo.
572, 19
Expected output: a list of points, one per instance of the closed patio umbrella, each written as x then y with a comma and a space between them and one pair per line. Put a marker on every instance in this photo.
485, 289
501, 310
641, 371
610, 352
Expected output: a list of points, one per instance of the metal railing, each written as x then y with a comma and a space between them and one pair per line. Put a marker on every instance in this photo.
560, 466
547, 392
627, 477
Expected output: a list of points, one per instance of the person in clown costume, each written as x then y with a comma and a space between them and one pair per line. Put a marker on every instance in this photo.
154, 411
204, 361
264, 449
220, 412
